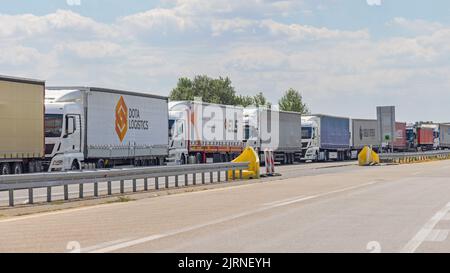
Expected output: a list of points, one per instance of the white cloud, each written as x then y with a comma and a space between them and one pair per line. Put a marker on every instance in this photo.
157, 19
416, 26
28, 25
260, 53
236, 25
91, 49
374, 2
302, 32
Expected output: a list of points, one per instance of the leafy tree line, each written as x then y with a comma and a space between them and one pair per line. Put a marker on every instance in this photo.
220, 91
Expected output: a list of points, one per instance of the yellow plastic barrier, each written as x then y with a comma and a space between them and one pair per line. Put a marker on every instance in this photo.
367, 157
248, 155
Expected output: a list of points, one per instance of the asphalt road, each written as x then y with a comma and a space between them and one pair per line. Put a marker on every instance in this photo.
311, 208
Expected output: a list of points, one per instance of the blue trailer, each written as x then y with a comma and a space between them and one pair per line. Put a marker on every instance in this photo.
325, 138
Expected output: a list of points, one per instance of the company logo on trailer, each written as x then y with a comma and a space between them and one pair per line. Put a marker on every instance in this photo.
121, 119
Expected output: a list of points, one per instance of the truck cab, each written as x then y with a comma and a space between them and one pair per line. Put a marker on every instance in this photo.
310, 139
63, 131
178, 151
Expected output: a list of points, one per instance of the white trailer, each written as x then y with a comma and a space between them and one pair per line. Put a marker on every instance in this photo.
89, 127
204, 132
279, 131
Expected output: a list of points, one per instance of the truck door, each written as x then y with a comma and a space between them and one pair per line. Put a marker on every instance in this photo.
72, 134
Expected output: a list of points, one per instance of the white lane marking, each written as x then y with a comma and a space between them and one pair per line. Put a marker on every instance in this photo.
416, 173
218, 221
426, 230
284, 200
437, 235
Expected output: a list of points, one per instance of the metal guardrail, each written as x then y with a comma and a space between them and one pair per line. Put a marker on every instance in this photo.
48, 180
414, 157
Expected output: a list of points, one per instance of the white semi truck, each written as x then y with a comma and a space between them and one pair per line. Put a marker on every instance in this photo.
88, 127
279, 131
325, 138
204, 133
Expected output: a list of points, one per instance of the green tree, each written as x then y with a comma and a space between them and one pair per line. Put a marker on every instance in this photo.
210, 90
259, 100
244, 101
293, 101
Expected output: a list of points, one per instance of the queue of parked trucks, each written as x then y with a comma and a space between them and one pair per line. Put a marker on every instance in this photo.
72, 128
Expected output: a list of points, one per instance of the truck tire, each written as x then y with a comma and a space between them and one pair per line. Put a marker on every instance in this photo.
17, 168
5, 169
75, 166
100, 164
31, 167
198, 158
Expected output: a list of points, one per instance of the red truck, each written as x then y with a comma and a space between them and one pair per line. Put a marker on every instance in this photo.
400, 141
420, 138
425, 136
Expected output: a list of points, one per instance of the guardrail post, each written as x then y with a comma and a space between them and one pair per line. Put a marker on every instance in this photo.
203, 178
176, 181
234, 173
166, 182
218, 176
122, 186
145, 184
194, 179
109, 188
96, 189
226, 175
186, 180
30, 196
66, 192
134, 185
49, 194
241, 174
81, 191
156, 183
11, 198
211, 177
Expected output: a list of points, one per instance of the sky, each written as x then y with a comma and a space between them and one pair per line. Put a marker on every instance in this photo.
345, 56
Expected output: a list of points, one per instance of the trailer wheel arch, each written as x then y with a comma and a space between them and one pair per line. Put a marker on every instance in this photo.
75, 165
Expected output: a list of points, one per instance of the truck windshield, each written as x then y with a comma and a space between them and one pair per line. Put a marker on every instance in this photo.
306, 132
53, 125
410, 135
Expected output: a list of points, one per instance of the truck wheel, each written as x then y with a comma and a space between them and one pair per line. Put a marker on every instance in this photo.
32, 167
5, 170
18, 169
75, 166
198, 158
223, 158
100, 164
